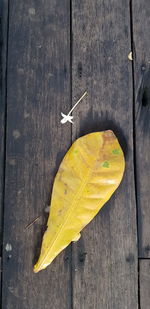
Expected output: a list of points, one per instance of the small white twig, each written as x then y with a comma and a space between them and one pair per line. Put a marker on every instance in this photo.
85, 93
69, 117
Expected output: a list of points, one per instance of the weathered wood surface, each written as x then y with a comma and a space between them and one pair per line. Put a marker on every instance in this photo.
38, 89
2, 124
144, 284
100, 271
2, 112
3, 34
3, 59
105, 259
141, 36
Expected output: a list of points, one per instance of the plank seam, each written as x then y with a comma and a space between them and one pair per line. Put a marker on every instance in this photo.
139, 298
134, 140
143, 258
71, 246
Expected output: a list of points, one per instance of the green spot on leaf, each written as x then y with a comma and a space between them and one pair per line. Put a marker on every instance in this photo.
106, 164
116, 151
75, 151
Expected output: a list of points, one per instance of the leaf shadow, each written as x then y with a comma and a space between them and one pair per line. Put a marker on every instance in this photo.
95, 122
143, 103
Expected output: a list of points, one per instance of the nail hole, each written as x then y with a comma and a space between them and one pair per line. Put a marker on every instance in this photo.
145, 97
65, 69
66, 258
130, 258
82, 257
147, 249
80, 69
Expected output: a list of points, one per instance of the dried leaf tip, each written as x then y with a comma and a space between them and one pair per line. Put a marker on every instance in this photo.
68, 117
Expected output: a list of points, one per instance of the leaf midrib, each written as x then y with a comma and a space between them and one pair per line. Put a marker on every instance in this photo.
71, 208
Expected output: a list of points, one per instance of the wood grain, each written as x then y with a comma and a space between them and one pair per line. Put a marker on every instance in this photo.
2, 125
1, 278
38, 90
144, 284
105, 258
141, 36
3, 52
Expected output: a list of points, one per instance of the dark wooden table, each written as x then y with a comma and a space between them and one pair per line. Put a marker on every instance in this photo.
52, 51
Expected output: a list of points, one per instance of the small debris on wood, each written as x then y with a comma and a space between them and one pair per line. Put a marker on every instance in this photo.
130, 56
47, 208
68, 117
31, 223
8, 247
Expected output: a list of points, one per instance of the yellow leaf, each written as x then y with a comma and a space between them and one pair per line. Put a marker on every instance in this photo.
90, 172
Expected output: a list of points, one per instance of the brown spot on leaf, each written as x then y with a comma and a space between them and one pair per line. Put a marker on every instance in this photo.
108, 137
66, 186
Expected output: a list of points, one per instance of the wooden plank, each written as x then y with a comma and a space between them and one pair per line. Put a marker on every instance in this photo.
0, 278
38, 89
105, 259
3, 52
3, 48
144, 284
2, 144
2, 112
141, 25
